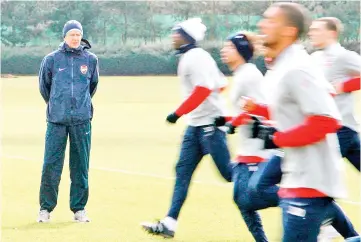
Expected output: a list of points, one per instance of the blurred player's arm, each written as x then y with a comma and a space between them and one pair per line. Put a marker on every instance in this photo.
223, 82
94, 78
254, 108
251, 85
239, 89
204, 84
316, 104
198, 96
233, 122
246, 92
349, 86
45, 77
203, 87
351, 62
237, 120
241, 119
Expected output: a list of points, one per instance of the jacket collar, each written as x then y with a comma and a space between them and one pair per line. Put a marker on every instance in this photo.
64, 47
184, 48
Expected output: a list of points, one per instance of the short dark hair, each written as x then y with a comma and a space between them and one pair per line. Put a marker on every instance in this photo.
297, 16
332, 23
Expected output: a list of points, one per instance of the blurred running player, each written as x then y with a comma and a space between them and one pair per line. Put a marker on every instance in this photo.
201, 82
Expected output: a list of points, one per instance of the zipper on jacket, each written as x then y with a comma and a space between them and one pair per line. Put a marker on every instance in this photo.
72, 78
72, 88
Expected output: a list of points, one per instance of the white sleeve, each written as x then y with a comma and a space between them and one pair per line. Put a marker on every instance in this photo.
351, 61
310, 94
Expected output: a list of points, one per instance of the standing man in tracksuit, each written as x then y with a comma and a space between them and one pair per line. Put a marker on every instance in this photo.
68, 80
342, 69
201, 81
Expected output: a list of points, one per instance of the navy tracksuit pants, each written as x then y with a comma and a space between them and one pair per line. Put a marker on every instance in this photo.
350, 145
316, 210
55, 144
249, 197
198, 142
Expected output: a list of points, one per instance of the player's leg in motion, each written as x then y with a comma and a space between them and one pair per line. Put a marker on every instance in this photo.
254, 189
340, 221
214, 142
263, 182
55, 144
302, 218
350, 145
242, 172
263, 188
190, 156
309, 214
353, 239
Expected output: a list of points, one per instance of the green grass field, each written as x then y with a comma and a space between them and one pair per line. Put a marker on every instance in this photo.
132, 168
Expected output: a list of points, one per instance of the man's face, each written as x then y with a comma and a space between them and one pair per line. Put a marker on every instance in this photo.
270, 27
273, 28
319, 34
73, 38
177, 40
229, 53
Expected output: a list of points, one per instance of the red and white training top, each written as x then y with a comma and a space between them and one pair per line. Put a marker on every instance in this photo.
342, 66
248, 81
296, 96
199, 72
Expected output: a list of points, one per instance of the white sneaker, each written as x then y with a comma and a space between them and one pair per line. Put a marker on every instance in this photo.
327, 234
81, 217
44, 216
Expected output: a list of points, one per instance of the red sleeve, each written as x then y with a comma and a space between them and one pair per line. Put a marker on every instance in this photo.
228, 118
198, 95
313, 130
241, 119
260, 110
351, 85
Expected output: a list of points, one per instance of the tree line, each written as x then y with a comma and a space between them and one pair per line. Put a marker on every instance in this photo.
109, 23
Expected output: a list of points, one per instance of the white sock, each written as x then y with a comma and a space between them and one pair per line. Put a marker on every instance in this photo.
171, 223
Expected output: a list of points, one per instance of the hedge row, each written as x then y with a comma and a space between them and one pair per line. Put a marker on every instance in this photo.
130, 63
125, 65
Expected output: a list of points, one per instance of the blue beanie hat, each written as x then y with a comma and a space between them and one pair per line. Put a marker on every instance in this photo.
243, 46
72, 24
